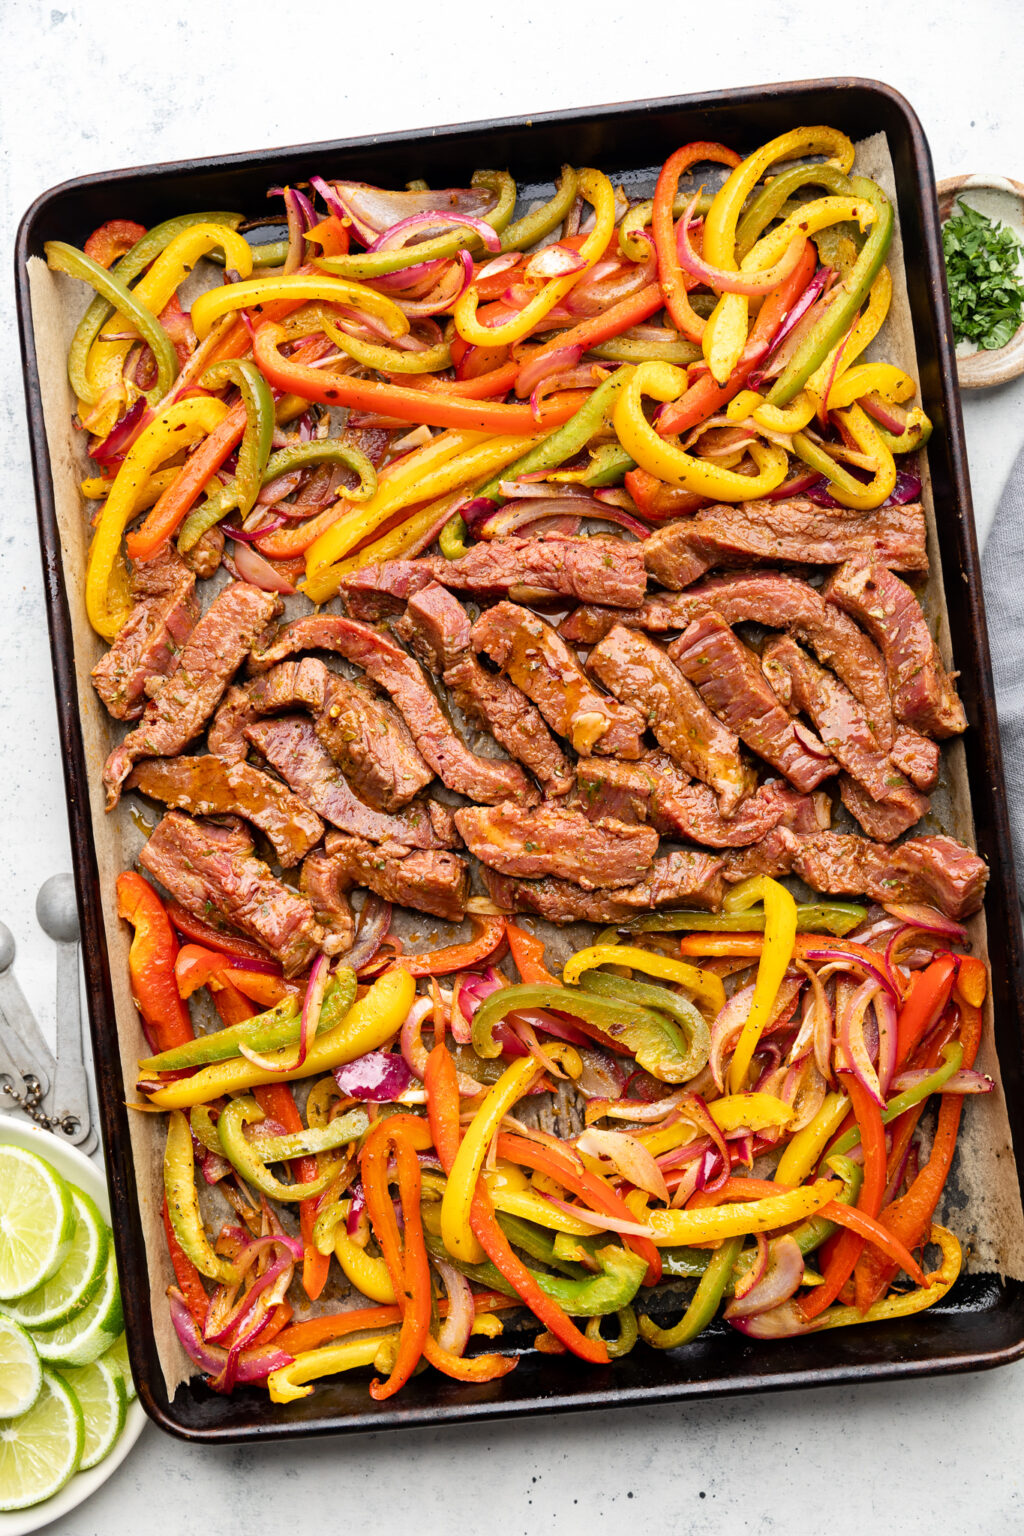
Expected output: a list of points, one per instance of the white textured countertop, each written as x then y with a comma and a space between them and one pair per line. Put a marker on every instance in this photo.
102, 85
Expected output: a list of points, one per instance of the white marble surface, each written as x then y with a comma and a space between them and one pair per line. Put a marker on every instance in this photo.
100, 84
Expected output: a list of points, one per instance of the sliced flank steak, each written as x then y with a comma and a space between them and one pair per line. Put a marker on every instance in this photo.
424, 879
226, 737
686, 877
557, 840
148, 644
324, 885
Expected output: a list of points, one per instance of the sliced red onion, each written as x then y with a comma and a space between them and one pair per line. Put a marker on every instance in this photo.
885, 1013
964, 1081
927, 919
554, 1024
757, 1271
804, 1090
810, 295
379, 1077
450, 288
554, 261
629, 1156
502, 263
411, 277
437, 221
856, 1054
374, 924
453, 1335
475, 986
411, 1041
786, 1321
252, 1365
544, 365
600, 1221
217, 1332
847, 962
798, 485
781, 1280
356, 1210
330, 197
603, 1077
907, 488
372, 210
248, 535
253, 568
121, 434
539, 515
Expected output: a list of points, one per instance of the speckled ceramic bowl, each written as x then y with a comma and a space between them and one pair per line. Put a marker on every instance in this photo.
998, 197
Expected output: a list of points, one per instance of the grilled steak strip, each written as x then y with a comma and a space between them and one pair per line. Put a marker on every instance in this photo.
792, 532
799, 682
437, 628
594, 570
290, 685
290, 746
557, 840
685, 877
918, 757
205, 786
921, 689
147, 646
730, 681
324, 885
209, 866
639, 673
212, 654
226, 736
883, 821
427, 881
480, 778
937, 870
540, 663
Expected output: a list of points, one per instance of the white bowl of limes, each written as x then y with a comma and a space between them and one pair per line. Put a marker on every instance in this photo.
68, 1410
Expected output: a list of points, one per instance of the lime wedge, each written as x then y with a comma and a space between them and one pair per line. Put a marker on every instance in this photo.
117, 1356
21, 1375
40, 1450
70, 1290
104, 1403
37, 1222
92, 1332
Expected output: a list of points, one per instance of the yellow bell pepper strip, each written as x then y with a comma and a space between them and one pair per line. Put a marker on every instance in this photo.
846, 488
667, 462
598, 190
368, 1274
836, 319
685, 1045
767, 204
371, 1022
408, 538
288, 1383
703, 1304
777, 952
704, 985
734, 1112
389, 359
465, 1171
61, 257
883, 379
183, 1204
792, 418
807, 219
247, 1158
257, 440
917, 427
299, 287
803, 1152
174, 429
95, 488
633, 240
849, 346
529, 1205
670, 274
737, 1219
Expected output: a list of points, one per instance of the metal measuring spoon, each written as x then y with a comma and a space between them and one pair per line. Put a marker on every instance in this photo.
57, 911
28, 1047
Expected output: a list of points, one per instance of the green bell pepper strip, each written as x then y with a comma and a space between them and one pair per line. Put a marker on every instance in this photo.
607, 466
131, 264
61, 257
369, 354
640, 215
635, 349
916, 435
253, 456
248, 1160
541, 1245
836, 320
204, 1128
567, 1248
835, 917
768, 203
596, 1296
325, 450
183, 1203
685, 1043
370, 264
622, 1022
952, 1054
534, 226
627, 1333
321, 1138
272, 253
567, 440
704, 1303
452, 541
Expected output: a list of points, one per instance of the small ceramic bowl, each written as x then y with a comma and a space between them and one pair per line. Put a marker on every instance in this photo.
1000, 198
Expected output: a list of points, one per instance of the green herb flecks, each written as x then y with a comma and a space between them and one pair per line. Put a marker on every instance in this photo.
986, 292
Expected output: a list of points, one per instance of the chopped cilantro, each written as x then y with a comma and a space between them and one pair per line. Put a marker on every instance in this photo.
986, 293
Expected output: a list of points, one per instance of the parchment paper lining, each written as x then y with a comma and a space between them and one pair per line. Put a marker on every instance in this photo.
983, 1202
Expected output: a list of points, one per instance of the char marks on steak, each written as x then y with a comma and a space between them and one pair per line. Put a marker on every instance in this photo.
437, 628
324, 884
640, 674
794, 532
557, 840
595, 570
211, 656
922, 692
685, 877
937, 870
485, 779
210, 866
730, 681
540, 663
290, 745
148, 644
206, 786
426, 880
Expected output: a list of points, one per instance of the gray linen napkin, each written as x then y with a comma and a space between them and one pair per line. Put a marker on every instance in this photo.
1001, 569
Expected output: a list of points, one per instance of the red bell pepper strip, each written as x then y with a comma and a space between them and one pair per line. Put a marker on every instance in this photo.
442, 409
165, 1019
848, 1248
924, 1005
441, 1083
736, 1189
600, 328
663, 228
658, 502
175, 503
113, 240
278, 1103
190, 1281
231, 944
705, 397
231, 1005
488, 934
528, 954
872, 1231
195, 965
470, 362
481, 386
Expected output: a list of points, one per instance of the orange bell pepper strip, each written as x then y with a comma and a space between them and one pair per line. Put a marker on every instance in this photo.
190, 1281
849, 1246
335, 1325
528, 954
751, 944
705, 397
260, 988
604, 327
482, 386
408, 1265
872, 1231
170, 512
659, 502
331, 235
663, 228
488, 934
232, 1006
112, 240
924, 1005
443, 409
441, 1082
971, 984
195, 965
151, 964
278, 1103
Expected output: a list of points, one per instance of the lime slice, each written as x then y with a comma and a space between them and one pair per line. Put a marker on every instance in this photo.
37, 1222
69, 1291
117, 1356
40, 1450
104, 1403
21, 1375
92, 1332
